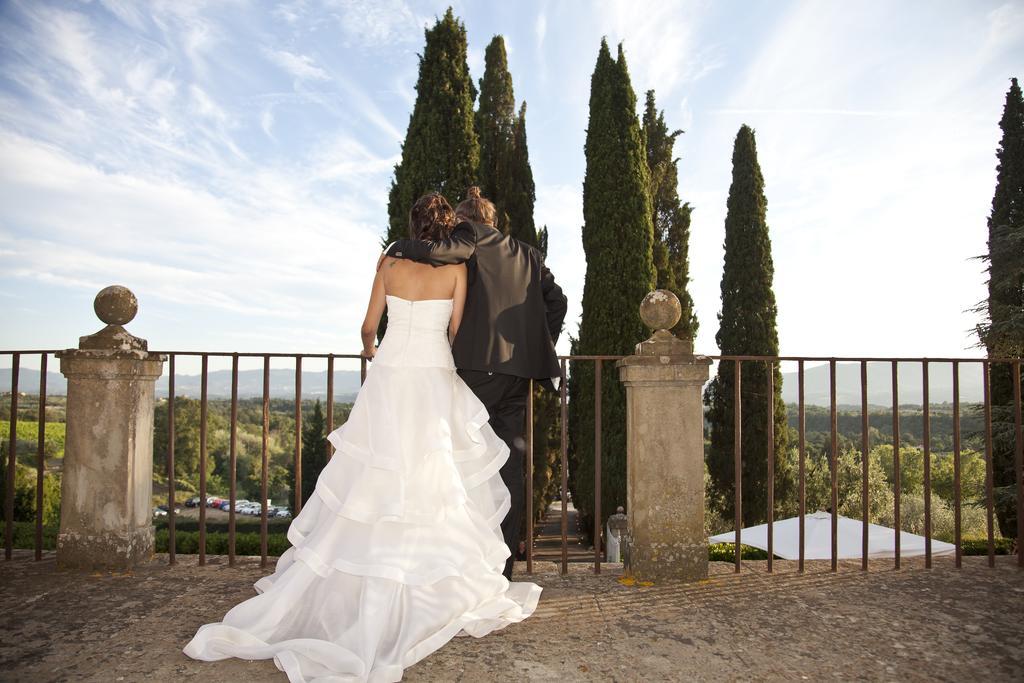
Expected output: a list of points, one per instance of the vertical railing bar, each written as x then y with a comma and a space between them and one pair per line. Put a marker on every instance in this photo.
233, 461
834, 462
330, 401
172, 481
264, 461
40, 453
926, 438
297, 479
529, 478
737, 454
1018, 430
957, 531
770, 399
986, 379
565, 470
896, 463
802, 427
202, 459
864, 503
597, 466
12, 460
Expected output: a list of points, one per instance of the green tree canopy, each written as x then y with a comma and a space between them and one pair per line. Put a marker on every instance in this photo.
670, 217
1002, 331
617, 240
747, 327
441, 152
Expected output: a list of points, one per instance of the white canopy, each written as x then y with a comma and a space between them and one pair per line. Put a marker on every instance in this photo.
818, 539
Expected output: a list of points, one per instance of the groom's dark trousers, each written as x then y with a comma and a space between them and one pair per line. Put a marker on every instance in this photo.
505, 397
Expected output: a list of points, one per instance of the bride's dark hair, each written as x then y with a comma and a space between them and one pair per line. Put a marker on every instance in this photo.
431, 217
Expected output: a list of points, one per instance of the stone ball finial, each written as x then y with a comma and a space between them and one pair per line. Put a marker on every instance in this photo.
660, 310
116, 305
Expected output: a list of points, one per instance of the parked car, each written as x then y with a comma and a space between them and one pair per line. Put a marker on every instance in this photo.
225, 506
157, 512
283, 512
192, 502
214, 502
163, 509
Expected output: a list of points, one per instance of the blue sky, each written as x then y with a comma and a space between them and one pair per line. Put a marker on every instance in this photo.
229, 161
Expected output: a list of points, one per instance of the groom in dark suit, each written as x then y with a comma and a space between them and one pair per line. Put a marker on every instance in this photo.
512, 319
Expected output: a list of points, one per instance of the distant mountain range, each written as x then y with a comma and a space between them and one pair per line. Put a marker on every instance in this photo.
346, 384
940, 383
218, 383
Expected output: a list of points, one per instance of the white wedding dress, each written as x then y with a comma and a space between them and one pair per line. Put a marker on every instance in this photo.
399, 549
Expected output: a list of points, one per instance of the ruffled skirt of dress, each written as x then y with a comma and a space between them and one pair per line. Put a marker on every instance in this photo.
398, 550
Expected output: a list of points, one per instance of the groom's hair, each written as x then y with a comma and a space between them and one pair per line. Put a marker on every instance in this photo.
431, 217
476, 208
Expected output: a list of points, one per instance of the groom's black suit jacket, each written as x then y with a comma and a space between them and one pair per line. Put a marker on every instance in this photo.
514, 309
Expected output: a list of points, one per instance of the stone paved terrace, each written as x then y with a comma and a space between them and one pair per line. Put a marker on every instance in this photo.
913, 624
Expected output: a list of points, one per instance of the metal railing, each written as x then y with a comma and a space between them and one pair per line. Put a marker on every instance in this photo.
986, 364
737, 360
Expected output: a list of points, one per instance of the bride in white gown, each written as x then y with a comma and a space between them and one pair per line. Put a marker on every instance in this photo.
399, 548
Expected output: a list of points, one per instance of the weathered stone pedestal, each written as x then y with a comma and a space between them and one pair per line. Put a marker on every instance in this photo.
665, 450
106, 488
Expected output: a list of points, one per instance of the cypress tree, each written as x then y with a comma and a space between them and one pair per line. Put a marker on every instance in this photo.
441, 152
314, 450
505, 174
521, 192
670, 217
542, 241
495, 120
1003, 330
617, 240
747, 327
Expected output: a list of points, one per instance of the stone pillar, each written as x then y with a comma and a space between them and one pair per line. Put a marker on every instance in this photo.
665, 450
107, 485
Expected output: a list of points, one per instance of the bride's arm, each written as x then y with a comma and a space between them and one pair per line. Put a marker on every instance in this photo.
374, 311
458, 301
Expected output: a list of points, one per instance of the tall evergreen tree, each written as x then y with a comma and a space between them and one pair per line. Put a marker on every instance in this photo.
617, 240
441, 152
747, 327
521, 192
495, 121
505, 174
314, 450
1003, 329
670, 217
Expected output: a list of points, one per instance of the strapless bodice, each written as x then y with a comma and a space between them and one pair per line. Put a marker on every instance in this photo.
417, 333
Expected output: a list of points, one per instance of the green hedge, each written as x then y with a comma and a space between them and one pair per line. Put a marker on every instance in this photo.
248, 543
979, 546
243, 523
725, 552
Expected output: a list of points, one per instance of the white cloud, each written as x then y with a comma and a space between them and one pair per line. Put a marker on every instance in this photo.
560, 207
302, 67
378, 23
664, 43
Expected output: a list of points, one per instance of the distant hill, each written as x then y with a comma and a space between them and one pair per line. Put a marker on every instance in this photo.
940, 384
346, 383
250, 383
